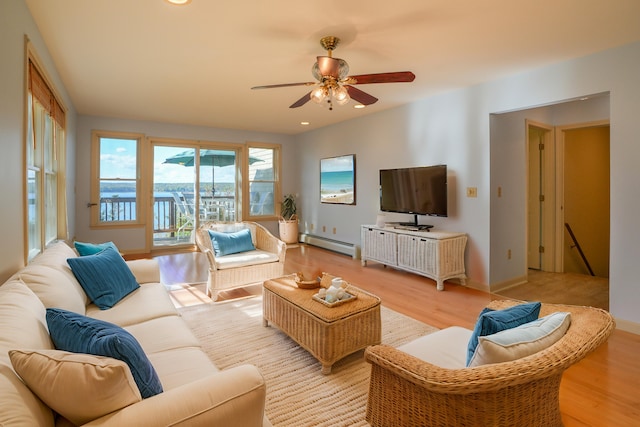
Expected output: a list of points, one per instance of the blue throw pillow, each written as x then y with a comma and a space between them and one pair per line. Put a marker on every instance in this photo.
81, 334
493, 321
105, 277
93, 248
231, 243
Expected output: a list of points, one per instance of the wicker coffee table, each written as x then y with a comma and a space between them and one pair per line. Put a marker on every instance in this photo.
328, 333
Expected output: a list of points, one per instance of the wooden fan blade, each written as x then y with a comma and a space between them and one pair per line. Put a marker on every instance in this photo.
362, 97
300, 102
284, 85
397, 77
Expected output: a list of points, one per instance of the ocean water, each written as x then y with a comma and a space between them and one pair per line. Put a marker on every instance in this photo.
336, 182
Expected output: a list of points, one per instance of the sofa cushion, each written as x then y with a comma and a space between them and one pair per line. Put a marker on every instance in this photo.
22, 320
175, 334
55, 257
93, 248
81, 334
521, 341
149, 301
231, 243
23, 325
492, 321
182, 366
244, 259
445, 348
105, 277
80, 387
54, 287
20, 406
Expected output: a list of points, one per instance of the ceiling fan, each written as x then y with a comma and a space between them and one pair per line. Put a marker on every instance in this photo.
333, 83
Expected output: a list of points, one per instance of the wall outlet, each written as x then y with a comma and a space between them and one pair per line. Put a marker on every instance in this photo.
334, 230
499, 191
324, 229
508, 253
472, 191
311, 227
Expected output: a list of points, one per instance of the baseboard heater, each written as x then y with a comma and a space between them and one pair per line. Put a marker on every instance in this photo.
331, 244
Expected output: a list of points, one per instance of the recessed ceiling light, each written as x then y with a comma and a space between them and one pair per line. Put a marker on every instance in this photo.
358, 106
304, 123
179, 2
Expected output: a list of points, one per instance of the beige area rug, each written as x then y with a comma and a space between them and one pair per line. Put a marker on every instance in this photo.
297, 393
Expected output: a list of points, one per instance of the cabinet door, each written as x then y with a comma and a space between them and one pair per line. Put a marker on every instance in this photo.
379, 245
417, 253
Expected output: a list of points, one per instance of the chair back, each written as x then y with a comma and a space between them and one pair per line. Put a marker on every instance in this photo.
182, 205
203, 239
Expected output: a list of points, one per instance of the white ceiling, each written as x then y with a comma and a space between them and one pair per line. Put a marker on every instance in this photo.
195, 64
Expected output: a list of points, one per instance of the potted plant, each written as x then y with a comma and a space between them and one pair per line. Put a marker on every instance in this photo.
288, 221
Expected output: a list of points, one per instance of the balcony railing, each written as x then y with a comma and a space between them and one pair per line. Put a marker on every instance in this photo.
171, 221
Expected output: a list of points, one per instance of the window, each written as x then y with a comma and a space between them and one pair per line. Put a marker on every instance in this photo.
45, 200
115, 188
263, 166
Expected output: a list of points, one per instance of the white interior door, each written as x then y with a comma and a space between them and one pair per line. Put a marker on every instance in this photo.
540, 196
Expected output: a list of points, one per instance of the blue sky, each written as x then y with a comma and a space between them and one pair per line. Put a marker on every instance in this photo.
117, 159
337, 164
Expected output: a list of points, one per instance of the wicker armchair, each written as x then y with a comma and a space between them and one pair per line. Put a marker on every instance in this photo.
406, 391
242, 271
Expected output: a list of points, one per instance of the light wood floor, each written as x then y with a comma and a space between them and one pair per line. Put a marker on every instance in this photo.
601, 390
566, 288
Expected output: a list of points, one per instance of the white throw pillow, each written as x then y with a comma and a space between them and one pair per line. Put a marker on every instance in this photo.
80, 387
522, 341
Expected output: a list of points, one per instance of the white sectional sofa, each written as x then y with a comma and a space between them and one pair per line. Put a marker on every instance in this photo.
194, 392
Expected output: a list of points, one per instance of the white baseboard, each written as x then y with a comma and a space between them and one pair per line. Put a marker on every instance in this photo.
501, 286
331, 244
628, 326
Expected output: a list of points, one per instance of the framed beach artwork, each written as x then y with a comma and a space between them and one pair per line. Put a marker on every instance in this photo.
338, 180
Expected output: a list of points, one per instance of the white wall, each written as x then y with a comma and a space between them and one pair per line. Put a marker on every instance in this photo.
15, 24
133, 239
454, 128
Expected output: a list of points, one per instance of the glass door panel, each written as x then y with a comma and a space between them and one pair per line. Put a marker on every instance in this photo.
218, 185
174, 207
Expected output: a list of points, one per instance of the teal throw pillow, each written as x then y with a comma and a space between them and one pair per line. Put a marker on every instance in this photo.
492, 321
105, 277
81, 334
93, 248
231, 243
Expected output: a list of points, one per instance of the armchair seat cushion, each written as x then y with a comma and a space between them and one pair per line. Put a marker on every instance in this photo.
446, 348
244, 259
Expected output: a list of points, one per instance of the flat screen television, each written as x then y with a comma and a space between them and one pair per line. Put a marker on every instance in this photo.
418, 191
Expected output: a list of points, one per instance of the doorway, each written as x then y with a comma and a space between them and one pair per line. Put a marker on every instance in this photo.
568, 198
586, 200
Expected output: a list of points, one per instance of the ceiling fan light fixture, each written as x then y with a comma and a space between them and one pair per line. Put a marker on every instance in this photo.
319, 94
341, 95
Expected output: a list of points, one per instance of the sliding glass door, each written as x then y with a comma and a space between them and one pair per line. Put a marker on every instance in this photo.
191, 184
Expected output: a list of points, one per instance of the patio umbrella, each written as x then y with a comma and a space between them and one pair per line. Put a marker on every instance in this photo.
208, 158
